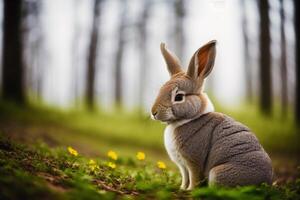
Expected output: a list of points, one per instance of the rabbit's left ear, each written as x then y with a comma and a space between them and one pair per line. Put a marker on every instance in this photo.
202, 61
173, 63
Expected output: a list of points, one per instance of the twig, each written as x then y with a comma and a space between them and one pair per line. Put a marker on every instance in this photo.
106, 187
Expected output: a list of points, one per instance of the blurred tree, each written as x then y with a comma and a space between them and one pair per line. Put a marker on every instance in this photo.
92, 57
13, 69
179, 7
248, 66
297, 56
265, 59
120, 53
142, 43
283, 68
75, 55
33, 39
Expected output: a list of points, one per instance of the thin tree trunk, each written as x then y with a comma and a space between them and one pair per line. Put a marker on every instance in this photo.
39, 63
283, 68
142, 27
265, 59
297, 61
33, 47
179, 7
13, 69
92, 58
119, 55
248, 66
75, 78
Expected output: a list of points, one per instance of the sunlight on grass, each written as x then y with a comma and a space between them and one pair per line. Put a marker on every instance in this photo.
59, 174
131, 131
107, 154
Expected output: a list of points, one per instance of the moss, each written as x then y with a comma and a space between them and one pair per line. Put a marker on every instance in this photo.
36, 171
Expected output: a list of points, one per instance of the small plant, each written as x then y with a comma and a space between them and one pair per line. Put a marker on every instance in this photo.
27, 173
111, 165
93, 166
140, 155
72, 151
112, 155
161, 165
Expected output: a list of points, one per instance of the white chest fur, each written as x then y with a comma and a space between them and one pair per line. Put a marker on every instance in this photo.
171, 145
169, 136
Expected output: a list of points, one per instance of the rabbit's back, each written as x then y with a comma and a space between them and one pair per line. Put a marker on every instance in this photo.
215, 139
234, 143
230, 141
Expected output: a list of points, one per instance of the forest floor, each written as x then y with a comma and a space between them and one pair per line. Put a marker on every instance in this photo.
35, 161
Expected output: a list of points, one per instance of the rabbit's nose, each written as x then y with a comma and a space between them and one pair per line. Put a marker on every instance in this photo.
154, 110
153, 114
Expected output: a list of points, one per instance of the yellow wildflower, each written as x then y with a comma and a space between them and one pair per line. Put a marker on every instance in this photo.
161, 165
93, 165
72, 151
113, 155
92, 162
140, 155
111, 165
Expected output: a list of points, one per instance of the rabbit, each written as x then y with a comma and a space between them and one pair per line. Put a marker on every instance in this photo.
205, 144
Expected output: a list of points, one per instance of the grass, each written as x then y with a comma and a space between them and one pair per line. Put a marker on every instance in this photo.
39, 172
35, 163
124, 130
130, 131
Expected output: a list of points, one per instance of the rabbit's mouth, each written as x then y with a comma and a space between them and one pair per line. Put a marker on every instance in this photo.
165, 115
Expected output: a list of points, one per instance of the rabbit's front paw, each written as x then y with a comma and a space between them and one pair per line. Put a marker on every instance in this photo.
191, 187
183, 186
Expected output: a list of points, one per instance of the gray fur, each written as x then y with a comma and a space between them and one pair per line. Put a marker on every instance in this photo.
187, 110
215, 141
173, 63
207, 144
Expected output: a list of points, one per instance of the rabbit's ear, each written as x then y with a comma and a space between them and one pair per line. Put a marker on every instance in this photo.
202, 61
173, 63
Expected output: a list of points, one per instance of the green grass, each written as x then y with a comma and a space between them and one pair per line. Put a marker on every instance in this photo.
127, 133
30, 169
39, 172
130, 131
90, 132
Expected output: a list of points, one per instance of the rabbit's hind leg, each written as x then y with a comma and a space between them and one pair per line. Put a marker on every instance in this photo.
232, 174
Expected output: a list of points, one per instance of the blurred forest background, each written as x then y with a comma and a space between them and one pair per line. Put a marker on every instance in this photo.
74, 53
85, 72
103, 53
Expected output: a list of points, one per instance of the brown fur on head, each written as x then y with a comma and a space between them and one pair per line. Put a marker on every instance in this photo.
182, 97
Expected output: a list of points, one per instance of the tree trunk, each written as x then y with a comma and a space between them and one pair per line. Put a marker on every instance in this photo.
13, 69
33, 41
92, 58
142, 27
75, 55
179, 7
247, 62
297, 61
119, 54
265, 59
283, 68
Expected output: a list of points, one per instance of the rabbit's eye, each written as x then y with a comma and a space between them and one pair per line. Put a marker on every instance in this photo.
179, 97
